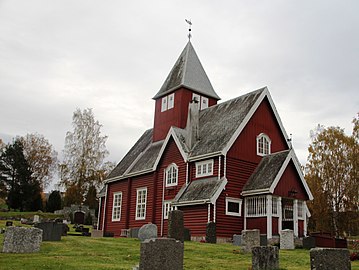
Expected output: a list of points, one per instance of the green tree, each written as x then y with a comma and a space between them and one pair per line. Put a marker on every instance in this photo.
331, 177
54, 202
84, 155
23, 192
41, 157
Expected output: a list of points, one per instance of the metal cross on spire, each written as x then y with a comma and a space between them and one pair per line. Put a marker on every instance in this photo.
189, 28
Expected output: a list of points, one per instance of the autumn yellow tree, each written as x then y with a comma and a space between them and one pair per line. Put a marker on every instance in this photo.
332, 177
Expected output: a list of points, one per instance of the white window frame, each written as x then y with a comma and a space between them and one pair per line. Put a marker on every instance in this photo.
300, 210
196, 97
171, 101
171, 175
141, 203
166, 209
256, 206
275, 207
261, 149
204, 168
164, 104
116, 206
233, 200
204, 103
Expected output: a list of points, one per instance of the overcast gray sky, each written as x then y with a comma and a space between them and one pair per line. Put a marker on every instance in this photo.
113, 56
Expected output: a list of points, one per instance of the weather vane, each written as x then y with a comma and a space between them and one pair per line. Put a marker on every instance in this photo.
189, 28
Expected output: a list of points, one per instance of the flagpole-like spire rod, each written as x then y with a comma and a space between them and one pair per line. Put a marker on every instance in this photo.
189, 28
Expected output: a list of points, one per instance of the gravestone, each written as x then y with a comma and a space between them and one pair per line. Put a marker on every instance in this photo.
79, 217
265, 258
65, 229
134, 232
176, 225
147, 231
329, 259
8, 223
36, 219
211, 235
51, 231
263, 240
161, 253
97, 233
237, 239
250, 238
287, 239
187, 234
22, 240
308, 242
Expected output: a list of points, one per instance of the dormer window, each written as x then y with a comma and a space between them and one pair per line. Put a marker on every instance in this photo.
203, 101
263, 145
204, 168
171, 175
168, 102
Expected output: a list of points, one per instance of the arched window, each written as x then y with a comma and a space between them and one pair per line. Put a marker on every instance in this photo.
171, 175
263, 145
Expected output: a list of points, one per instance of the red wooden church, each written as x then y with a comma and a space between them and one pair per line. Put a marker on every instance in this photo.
230, 163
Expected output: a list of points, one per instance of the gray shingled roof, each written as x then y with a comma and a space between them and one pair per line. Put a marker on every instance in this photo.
266, 171
140, 146
187, 72
199, 190
217, 124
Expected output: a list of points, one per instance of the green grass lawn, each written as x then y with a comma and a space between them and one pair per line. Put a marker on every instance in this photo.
75, 252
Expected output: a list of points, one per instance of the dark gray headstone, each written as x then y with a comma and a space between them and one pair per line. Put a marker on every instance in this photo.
22, 240
176, 225
237, 239
329, 259
134, 232
65, 229
147, 231
161, 253
8, 223
211, 234
51, 231
187, 234
308, 242
263, 240
265, 258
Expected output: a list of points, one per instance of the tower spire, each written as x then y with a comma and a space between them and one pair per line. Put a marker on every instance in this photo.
189, 29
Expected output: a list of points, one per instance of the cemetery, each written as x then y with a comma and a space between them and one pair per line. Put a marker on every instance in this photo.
52, 249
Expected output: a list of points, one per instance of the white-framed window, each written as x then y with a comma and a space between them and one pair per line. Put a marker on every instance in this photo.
116, 206
141, 203
166, 209
233, 206
204, 103
171, 175
196, 97
263, 145
275, 206
204, 168
256, 206
300, 209
171, 101
164, 104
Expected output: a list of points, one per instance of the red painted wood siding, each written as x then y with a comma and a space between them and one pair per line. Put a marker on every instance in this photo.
116, 226
195, 218
262, 121
177, 116
290, 180
257, 223
275, 221
301, 228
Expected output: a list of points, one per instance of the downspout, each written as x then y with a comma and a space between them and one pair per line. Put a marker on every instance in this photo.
187, 172
104, 210
219, 167
225, 167
209, 213
214, 212
99, 213
163, 199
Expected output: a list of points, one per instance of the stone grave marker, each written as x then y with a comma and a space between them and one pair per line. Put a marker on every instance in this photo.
308, 242
265, 258
287, 239
187, 234
22, 240
176, 225
250, 238
134, 232
211, 235
36, 219
237, 239
97, 233
161, 253
329, 259
147, 231
51, 231
9, 223
263, 240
